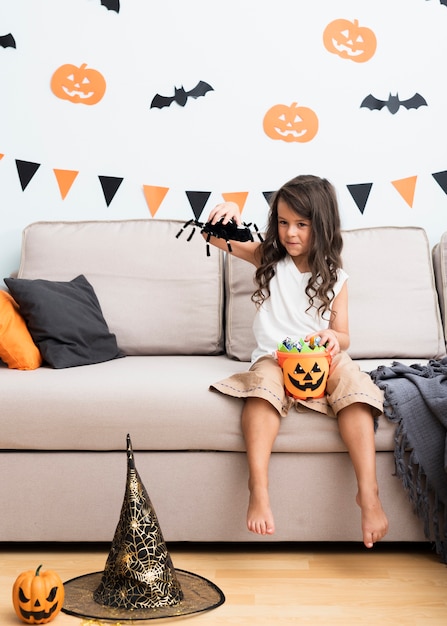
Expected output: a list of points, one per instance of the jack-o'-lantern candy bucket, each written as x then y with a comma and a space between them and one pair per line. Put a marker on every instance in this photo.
305, 372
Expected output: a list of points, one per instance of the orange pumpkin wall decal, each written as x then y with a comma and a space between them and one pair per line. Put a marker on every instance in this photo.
78, 84
305, 374
349, 40
38, 596
290, 123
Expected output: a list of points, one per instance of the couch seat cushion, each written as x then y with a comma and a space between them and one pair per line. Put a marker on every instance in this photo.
163, 403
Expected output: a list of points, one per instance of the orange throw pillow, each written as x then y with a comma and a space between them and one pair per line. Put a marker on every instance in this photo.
17, 348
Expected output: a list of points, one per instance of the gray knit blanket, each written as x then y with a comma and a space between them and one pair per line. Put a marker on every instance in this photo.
416, 401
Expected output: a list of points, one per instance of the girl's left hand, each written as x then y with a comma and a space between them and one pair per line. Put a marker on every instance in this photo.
328, 338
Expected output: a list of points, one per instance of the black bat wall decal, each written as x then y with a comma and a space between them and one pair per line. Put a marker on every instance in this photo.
393, 103
181, 96
111, 5
7, 41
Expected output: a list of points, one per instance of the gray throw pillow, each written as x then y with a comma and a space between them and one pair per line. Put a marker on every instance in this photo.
65, 321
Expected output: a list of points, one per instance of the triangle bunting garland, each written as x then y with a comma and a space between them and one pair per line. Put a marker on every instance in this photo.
154, 197
441, 179
360, 194
26, 171
237, 196
65, 179
267, 195
197, 200
110, 185
406, 188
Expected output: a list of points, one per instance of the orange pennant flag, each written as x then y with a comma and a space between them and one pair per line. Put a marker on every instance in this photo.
154, 197
65, 179
406, 187
239, 197
1, 156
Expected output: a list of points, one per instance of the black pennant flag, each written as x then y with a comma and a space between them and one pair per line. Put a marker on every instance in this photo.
110, 185
441, 179
267, 195
360, 194
26, 170
197, 200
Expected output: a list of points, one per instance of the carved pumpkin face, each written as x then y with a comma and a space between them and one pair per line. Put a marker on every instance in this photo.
305, 375
290, 123
78, 84
349, 40
37, 597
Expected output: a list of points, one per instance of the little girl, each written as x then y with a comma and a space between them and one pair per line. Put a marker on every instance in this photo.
302, 292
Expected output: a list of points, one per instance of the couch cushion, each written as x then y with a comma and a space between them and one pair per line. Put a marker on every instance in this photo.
65, 321
163, 402
239, 308
393, 303
158, 294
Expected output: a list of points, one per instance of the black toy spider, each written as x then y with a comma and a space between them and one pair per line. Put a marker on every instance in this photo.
230, 232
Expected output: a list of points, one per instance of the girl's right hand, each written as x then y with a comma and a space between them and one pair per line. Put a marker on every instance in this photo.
225, 211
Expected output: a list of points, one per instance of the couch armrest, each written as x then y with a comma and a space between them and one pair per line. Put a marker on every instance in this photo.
440, 267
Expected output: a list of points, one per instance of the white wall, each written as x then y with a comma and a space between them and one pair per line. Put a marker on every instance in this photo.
255, 54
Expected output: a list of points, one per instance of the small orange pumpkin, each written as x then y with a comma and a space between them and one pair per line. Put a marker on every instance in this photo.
38, 596
349, 40
290, 123
305, 374
78, 84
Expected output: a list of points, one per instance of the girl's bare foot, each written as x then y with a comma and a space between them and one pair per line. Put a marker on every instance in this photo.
259, 515
374, 520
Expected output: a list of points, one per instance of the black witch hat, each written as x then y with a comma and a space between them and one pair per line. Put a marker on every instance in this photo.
139, 580
139, 573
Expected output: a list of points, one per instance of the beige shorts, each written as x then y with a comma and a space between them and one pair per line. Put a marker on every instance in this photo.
346, 384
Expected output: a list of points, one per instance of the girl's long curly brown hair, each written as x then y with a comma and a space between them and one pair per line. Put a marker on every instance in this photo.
312, 198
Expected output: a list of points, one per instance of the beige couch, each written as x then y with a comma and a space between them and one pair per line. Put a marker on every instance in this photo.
183, 320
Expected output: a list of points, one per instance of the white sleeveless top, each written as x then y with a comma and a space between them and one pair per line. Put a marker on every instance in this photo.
284, 313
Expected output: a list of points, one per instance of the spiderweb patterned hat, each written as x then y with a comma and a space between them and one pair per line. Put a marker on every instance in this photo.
139, 581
